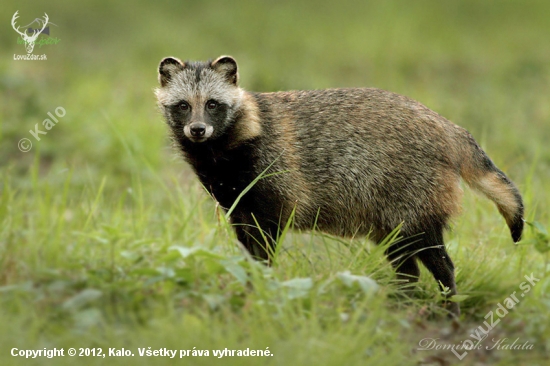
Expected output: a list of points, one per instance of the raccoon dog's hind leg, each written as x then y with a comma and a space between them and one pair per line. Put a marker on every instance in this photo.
436, 259
427, 247
402, 257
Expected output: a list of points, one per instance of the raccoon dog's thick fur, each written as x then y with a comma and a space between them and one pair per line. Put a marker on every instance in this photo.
354, 162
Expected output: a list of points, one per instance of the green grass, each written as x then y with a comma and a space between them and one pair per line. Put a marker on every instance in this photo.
108, 240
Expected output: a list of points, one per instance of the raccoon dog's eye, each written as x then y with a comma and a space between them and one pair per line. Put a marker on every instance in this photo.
183, 106
211, 104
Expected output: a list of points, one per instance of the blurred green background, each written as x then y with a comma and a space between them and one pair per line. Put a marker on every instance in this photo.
106, 172
484, 65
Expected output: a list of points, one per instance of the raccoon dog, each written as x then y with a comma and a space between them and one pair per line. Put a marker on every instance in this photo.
354, 161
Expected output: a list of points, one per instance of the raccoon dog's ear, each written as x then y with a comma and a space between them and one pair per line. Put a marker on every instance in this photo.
168, 67
227, 66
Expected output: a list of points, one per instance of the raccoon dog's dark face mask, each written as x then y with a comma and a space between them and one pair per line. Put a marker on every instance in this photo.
199, 98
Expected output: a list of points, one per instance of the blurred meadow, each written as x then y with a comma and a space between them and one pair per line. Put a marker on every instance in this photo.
108, 240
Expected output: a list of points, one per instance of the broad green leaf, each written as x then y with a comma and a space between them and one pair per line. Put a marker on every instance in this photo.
458, 298
367, 284
236, 270
83, 298
186, 252
298, 287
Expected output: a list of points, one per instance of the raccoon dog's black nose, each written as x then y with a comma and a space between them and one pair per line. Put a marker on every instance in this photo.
197, 129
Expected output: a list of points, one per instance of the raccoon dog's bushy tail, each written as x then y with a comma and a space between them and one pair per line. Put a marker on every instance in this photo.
481, 173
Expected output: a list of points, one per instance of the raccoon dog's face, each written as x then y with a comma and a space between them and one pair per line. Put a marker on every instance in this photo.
200, 100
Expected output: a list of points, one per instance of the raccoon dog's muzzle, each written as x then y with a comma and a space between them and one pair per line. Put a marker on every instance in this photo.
198, 131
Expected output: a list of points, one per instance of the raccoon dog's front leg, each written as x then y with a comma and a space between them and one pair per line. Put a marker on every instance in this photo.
259, 240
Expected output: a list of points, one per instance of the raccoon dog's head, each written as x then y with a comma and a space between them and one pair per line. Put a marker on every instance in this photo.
200, 100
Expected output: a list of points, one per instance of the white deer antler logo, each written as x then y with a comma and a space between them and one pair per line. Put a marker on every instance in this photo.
29, 40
